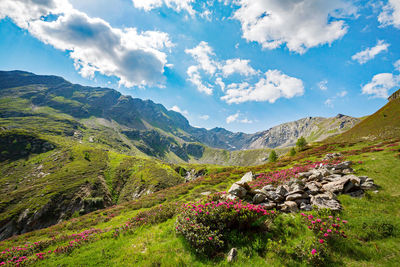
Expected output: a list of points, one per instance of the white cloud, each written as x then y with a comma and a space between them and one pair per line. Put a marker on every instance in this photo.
207, 61
195, 78
380, 85
232, 118
329, 102
204, 117
177, 5
247, 121
397, 65
221, 84
202, 54
177, 109
323, 85
342, 94
390, 14
237, 65
299, 24
274, 85
369, 53
137, 59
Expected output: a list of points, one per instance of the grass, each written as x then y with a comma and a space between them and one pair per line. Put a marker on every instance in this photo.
373, 233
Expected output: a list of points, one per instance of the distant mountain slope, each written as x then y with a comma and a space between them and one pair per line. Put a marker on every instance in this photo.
383, 124
312, 128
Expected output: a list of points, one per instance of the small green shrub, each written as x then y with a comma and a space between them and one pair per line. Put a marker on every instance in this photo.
273, 156
87, 156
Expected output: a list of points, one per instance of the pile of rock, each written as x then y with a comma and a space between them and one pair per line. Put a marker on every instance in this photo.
318, 188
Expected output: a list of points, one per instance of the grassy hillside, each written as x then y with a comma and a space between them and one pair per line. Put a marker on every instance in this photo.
372, 230
383, 124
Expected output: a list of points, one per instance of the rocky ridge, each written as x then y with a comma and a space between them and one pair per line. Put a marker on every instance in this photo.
316, 188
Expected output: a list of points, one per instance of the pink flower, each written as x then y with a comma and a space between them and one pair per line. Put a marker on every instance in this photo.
344, 221
329, 230
187, 219
210, 238
326, 235
313, 251
321, 241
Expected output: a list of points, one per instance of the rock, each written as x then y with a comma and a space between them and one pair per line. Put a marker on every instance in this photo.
268, 205
348, 171
258, 198
237, 190
313, 189
232, 255
259, 191
290, 206
271, 195
332, 156
316, 176
230, 197
206, 193
337, 186
295, 196
306, 207
305, 174
343, 165
332, 177
367, 185
324, 172
247, 178
296, 188
349, 186
324, 201
358, 193
354, 179
300, 201
268, 188
280, 190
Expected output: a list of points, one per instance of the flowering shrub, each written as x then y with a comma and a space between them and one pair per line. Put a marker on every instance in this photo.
204, 224
277, 177
325, 230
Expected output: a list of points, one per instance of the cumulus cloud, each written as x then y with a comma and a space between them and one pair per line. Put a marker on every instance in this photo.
323, 85
397, 65
330, 101
269, 88
232, 118
177, 5
136, 58
208, 62
299, 24
237, 65
342, 94
177, 109
390, 14
380, 85
195, 77
369, 53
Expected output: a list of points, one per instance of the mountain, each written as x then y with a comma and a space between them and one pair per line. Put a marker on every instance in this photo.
140, 127
383, 124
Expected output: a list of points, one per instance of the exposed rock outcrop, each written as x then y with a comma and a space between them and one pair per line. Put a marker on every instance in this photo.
316, 188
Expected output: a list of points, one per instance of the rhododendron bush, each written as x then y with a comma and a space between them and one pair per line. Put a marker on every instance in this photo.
205, 224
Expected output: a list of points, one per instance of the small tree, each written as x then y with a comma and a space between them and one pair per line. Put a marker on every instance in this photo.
301, 143
292, 152
273, 156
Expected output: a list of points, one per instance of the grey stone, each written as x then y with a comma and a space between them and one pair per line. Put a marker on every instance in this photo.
268, 205
305, 207
206, 193
300, 201
237, 190
313, 188
324, 201
358, 193
268, 188
295, 196
232, 255
296, 188
354, 179
259, 191
368, 185
290, 206
280, 190
258, 198
337, 186
305, 174
271, 195
247, 178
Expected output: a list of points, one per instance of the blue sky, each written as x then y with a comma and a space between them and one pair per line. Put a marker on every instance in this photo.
245, 65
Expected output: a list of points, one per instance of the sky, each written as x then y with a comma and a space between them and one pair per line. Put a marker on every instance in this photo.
245, 65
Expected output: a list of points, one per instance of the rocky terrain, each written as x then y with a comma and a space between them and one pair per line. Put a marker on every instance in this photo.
316, 188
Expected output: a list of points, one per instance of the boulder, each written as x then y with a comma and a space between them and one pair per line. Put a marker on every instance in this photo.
290, 206
280, 190
337, 186
305, 207
268, 205
258, 198
268, 188
354, 179
313, 189
232, 255
237, 190
295, 196
300, 201
247, 178
305, 174
368, 185
296, 188
324, 201
271, 195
